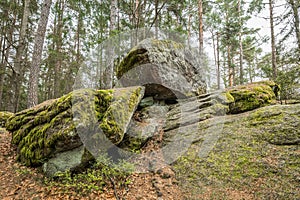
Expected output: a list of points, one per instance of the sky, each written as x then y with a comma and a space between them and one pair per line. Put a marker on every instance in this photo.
264, 24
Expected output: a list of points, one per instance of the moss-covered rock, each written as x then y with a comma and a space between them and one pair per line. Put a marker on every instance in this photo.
279, 125
48, 129
234, 100
255, 151
118, 115
42, 131
4, 117
167, 69
251, 96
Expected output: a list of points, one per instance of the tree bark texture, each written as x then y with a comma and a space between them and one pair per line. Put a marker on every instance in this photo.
274, 64
37, 54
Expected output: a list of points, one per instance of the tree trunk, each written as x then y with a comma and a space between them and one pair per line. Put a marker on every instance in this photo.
2, 72
230, 67
1, 87
113, 16
274, 64
5, 62
112, 27
189, 24
137, 13
295, 6
156, 18
2, 66
37, 55
20, 52
250, 72
224, 75
200, 14
241, 45
218, 62
58, 57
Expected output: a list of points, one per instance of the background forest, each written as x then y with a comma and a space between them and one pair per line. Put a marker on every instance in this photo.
44, 42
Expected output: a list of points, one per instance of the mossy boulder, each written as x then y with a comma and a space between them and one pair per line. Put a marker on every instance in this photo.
4, 117
251, 96
167, 69
44, 131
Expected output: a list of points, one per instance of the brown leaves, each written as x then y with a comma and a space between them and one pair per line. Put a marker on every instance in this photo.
20, 182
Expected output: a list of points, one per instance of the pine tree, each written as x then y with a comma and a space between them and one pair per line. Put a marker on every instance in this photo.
274, 64
37, 55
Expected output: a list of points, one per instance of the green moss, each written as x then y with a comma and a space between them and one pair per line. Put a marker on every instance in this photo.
279, 126
103, 99
228, 97
42, 131
4, 116
139, 55
242, 160
218, 109
134, 57
249, 97
39, 132
119, 113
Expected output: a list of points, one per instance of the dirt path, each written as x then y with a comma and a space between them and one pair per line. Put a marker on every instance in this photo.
20, 182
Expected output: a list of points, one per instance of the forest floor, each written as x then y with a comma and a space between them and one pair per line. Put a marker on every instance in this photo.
20, 182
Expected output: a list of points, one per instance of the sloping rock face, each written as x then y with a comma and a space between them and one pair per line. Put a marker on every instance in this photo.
254, 151
150, 121
185, 116
184, 120
167, 69
45, 131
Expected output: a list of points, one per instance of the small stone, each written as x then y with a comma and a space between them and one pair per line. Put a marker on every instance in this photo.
148, 101
159, 194
165, 176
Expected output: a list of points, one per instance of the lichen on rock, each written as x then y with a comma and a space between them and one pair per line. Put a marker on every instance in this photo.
280, 125
262, 144
73, 160
167, 69
251, 96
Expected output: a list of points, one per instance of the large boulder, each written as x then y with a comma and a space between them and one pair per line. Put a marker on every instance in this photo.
66, 133
167, 69
248, 97
53, 127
